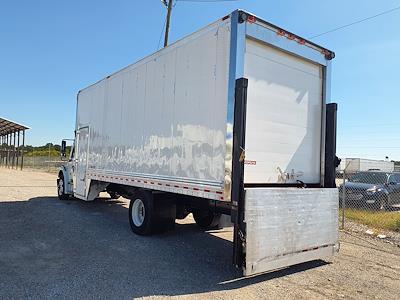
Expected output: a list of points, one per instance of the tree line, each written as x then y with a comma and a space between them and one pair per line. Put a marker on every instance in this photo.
49, 149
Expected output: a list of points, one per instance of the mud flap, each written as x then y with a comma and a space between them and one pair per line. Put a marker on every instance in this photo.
288, 226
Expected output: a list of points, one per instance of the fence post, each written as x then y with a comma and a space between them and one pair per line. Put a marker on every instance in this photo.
48, 164
343, 197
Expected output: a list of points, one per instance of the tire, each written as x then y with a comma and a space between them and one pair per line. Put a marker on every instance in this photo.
141, 213
206, 219
61, 188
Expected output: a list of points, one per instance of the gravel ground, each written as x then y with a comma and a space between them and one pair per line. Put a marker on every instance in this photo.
392, 237
73, 249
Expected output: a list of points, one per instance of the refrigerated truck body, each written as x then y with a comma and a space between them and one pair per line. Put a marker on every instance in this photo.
354, 165
233, 119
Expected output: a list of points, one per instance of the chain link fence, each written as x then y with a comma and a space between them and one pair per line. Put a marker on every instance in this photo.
48, 160
43, 163
370, 198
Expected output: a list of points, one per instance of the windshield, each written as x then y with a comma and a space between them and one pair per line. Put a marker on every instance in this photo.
370, 177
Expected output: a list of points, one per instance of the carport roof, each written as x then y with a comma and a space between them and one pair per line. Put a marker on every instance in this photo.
7, 127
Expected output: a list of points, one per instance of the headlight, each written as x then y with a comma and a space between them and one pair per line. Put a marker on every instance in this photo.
373, 190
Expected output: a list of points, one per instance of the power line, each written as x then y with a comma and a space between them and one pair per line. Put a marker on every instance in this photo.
356, 22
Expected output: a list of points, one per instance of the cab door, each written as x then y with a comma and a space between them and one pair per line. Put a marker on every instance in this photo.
81, 161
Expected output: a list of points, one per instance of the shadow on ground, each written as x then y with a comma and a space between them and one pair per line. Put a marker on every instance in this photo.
75, 249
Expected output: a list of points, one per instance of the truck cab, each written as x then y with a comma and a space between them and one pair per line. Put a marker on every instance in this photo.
66, 173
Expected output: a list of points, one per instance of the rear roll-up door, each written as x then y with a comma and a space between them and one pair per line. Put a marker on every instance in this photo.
284, 116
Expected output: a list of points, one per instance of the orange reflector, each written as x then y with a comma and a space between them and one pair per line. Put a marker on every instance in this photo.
281, 32
251, 19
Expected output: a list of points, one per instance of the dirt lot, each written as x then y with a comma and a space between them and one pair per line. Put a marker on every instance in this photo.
72, 249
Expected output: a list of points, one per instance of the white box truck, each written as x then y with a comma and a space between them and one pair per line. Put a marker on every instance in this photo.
354, 165
232, 119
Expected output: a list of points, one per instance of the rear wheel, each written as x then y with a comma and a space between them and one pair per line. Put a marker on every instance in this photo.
61, 188
141, 215
150, 213
206, 219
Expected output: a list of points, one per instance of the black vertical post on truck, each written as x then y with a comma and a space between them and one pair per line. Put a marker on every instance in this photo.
237, 191
330, 146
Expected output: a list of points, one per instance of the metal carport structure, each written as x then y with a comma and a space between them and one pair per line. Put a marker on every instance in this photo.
11, 151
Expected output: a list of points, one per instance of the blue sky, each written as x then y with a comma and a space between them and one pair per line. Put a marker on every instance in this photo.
51, 49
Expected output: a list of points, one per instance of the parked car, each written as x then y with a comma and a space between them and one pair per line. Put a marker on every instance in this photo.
371, 189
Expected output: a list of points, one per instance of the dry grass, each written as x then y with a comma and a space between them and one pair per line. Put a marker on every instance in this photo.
379, 220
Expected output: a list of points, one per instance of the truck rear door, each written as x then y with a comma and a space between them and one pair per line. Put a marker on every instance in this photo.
285, 214
284, 116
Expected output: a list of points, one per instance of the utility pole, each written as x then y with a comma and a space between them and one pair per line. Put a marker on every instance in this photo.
169, 11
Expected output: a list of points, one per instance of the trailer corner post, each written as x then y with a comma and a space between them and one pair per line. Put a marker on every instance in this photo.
238, 193
330, 145
236, 71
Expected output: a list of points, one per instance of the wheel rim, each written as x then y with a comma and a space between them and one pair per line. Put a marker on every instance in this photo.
60, 187
138, 212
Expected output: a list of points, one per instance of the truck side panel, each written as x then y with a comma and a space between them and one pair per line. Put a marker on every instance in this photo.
165, 116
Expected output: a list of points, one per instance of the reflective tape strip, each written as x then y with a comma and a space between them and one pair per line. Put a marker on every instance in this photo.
160, 185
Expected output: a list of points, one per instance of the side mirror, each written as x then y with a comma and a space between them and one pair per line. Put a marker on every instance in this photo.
63, 148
